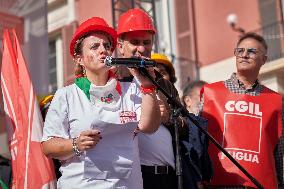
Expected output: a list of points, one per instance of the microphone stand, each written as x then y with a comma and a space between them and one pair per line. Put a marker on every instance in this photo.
180, 109
175, 115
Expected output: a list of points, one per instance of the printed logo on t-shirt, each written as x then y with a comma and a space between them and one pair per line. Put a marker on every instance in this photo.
242, 120
107, 99
127, 116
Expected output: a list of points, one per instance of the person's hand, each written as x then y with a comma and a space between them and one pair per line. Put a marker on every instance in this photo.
164, 108
164, 112
144, 81
88, 139
120, 72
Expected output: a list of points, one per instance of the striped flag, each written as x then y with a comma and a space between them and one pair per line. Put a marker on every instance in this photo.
31, 169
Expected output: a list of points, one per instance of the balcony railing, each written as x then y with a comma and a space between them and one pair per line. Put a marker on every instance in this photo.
274, 36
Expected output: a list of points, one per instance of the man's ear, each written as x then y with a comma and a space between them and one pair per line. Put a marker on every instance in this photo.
120, 48
264, 59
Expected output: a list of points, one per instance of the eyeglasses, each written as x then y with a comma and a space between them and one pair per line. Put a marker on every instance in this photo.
250, 52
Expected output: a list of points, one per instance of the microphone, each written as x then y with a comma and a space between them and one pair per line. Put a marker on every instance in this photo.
134, 62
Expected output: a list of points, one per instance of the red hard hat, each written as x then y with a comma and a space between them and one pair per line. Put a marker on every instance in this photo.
135, 20
91, 25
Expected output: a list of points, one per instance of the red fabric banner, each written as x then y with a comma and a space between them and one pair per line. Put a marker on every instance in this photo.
31, 168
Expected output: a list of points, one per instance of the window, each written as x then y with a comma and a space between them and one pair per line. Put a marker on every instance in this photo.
55, 63
282, 8
52, 66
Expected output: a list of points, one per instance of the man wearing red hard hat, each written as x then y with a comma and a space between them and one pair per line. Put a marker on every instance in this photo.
136, 35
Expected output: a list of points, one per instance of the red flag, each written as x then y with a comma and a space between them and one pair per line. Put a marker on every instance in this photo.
31, 168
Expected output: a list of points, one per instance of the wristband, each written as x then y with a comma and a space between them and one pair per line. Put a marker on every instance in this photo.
75, 148
147, 90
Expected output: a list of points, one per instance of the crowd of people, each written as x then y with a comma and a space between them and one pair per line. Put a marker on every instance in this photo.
112, 128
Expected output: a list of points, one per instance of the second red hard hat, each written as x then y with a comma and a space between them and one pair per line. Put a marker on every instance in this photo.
135, 20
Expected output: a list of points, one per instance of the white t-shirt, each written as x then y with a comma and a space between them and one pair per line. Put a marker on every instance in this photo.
156, 148
114, 161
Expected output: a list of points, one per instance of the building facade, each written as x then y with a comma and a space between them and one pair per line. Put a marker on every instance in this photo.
206, 37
